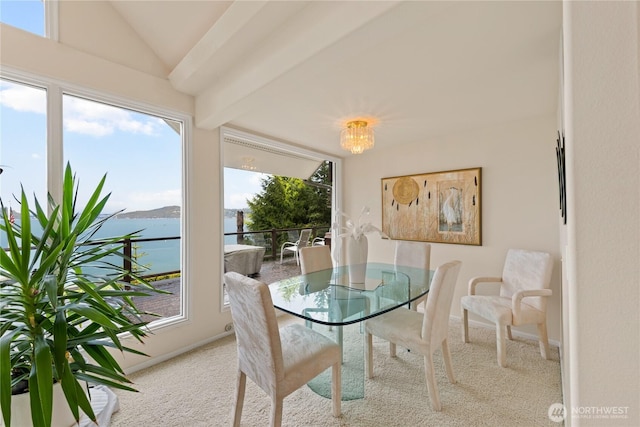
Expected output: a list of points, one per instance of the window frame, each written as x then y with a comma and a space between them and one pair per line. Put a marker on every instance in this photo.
51, 18
55, 90
277, 145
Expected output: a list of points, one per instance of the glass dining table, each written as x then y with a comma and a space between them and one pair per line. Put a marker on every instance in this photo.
333, 306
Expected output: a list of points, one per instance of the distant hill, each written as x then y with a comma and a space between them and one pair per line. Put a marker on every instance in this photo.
165, 212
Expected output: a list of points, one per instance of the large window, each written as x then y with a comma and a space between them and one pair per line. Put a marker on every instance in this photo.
271, 192
27, 15
39, 17
23, 148
139, 150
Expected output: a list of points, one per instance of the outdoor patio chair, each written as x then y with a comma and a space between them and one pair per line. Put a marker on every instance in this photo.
294, 247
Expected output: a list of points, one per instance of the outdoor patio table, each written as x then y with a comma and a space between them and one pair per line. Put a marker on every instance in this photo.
244, 259
328, 302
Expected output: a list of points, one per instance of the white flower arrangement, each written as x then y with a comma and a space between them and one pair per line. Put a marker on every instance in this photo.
356, 229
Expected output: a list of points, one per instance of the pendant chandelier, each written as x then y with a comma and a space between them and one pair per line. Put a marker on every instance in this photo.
248, 164
357, 137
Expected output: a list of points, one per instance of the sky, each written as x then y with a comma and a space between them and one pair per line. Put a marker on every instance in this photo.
140, 154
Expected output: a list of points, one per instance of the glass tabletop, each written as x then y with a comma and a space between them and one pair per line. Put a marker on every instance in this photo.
327, 297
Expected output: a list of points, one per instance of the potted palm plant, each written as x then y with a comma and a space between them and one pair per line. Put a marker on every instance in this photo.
59, 318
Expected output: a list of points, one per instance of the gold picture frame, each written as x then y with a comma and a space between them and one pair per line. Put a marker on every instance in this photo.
439, 207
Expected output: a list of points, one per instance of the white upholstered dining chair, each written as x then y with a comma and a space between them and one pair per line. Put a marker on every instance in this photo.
414, 254
524, 288
317, 259
423, 333
279, 361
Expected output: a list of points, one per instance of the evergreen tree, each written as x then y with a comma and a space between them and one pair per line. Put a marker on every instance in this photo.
286, 202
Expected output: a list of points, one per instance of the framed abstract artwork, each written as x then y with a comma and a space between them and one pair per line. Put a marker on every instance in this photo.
439, 207
562, 176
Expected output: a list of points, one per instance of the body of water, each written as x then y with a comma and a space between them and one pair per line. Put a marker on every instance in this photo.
230, 227
157, 256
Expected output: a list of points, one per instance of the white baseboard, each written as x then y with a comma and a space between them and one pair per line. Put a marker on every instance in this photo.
155, 360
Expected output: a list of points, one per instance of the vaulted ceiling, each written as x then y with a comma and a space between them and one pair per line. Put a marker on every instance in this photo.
298, 70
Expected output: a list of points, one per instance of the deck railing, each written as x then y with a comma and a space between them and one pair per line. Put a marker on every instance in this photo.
128, 246
255, 238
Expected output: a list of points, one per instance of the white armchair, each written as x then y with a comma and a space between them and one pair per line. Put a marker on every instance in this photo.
524, 288
318, 241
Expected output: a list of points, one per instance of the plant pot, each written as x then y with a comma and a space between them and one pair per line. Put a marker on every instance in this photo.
21, 410
357, 252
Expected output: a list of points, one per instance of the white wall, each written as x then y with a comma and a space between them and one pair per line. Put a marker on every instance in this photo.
602, 111
27, 52
519, 197
94, 27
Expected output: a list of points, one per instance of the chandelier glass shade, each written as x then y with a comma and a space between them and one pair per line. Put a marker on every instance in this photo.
248, 164
357, 137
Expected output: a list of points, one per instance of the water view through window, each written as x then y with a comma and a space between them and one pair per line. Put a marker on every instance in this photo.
141, 156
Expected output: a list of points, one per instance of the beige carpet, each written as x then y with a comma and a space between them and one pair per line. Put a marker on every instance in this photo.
197, 389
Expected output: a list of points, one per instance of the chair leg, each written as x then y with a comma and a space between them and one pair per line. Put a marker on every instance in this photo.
340, 333
241, 382
509, 333
501, 345
446, 355
432, 387
336, 388
276, 411
416, 303
392, 349
369, 354
544, 340
465, 325
281, 255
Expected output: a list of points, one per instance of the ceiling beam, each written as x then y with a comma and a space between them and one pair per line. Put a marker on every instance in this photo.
232, 22
312, 29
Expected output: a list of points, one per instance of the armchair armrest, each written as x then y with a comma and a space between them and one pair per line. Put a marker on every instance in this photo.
287, 244
474, 281
516, 299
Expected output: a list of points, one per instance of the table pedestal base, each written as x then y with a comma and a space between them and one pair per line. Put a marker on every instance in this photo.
352, 363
